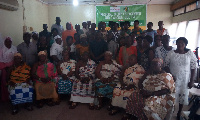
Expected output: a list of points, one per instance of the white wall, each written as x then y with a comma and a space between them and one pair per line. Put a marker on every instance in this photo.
73, 14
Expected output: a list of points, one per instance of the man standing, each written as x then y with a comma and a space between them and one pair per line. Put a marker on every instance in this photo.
28, 50
58, 26
137, 30
45, 32
162, 31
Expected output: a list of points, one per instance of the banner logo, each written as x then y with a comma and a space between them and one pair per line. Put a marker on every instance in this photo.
114, 9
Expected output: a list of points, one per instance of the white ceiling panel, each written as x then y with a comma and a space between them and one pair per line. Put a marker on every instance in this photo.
101, 1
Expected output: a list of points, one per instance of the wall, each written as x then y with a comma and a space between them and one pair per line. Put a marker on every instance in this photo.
73, 14
35, 14
157, 13
187, 16
12, 23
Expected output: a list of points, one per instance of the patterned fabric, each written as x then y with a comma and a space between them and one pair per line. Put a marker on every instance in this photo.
84, 92
106, 90
104, 35
20, 74
180, 66
116, 35
82, 48
162, 32
154, 107
65, 86
46, 91
131, 76
144, 60
45, 71
125, 52
21, 93
161, 52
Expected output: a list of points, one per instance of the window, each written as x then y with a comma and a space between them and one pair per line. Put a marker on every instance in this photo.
198, 4
191, 7
172, 30
181, 29
179, 11
192, 34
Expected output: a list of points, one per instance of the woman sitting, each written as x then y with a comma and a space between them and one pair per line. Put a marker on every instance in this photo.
156, 98
66, 70
107, 73
83, 89
130, 76
44, 74
19, 87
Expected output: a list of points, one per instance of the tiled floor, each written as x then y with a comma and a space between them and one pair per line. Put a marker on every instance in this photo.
60, 112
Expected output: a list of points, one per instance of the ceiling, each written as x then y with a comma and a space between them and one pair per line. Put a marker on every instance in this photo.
124, 2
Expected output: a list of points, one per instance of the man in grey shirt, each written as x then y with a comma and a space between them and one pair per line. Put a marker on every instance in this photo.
58, 26
28, 50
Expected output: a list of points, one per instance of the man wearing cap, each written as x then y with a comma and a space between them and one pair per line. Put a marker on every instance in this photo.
45, 32
58, 26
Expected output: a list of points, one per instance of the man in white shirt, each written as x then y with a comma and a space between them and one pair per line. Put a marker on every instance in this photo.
58, 26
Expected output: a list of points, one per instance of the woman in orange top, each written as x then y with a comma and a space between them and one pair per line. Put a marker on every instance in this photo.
126, 51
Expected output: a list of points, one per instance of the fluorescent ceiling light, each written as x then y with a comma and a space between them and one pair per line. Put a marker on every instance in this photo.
75, 2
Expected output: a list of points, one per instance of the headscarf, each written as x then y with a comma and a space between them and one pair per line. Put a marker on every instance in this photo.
108, 52
8, 38
42, 53
17, 54
56, 37
34, 32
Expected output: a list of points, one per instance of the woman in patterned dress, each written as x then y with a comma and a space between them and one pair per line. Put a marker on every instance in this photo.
19, 86
181, 63
83, 89
107, 73
129, 78
66, 70
156, 98
44, 74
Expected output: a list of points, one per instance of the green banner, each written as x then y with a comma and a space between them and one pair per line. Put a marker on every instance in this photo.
121, 13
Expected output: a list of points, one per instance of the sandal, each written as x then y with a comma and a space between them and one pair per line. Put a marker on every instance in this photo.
72, 106
91, 106
40, 104
98, 107
113, 112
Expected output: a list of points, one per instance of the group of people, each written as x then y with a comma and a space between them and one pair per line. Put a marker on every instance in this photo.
136, 70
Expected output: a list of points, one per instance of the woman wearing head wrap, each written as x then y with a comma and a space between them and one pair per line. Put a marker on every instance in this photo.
129, 78
7, 51
44, 74
107, 73
181, 63
155, 100
56, 49
20, 88
148, 54
83, 89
